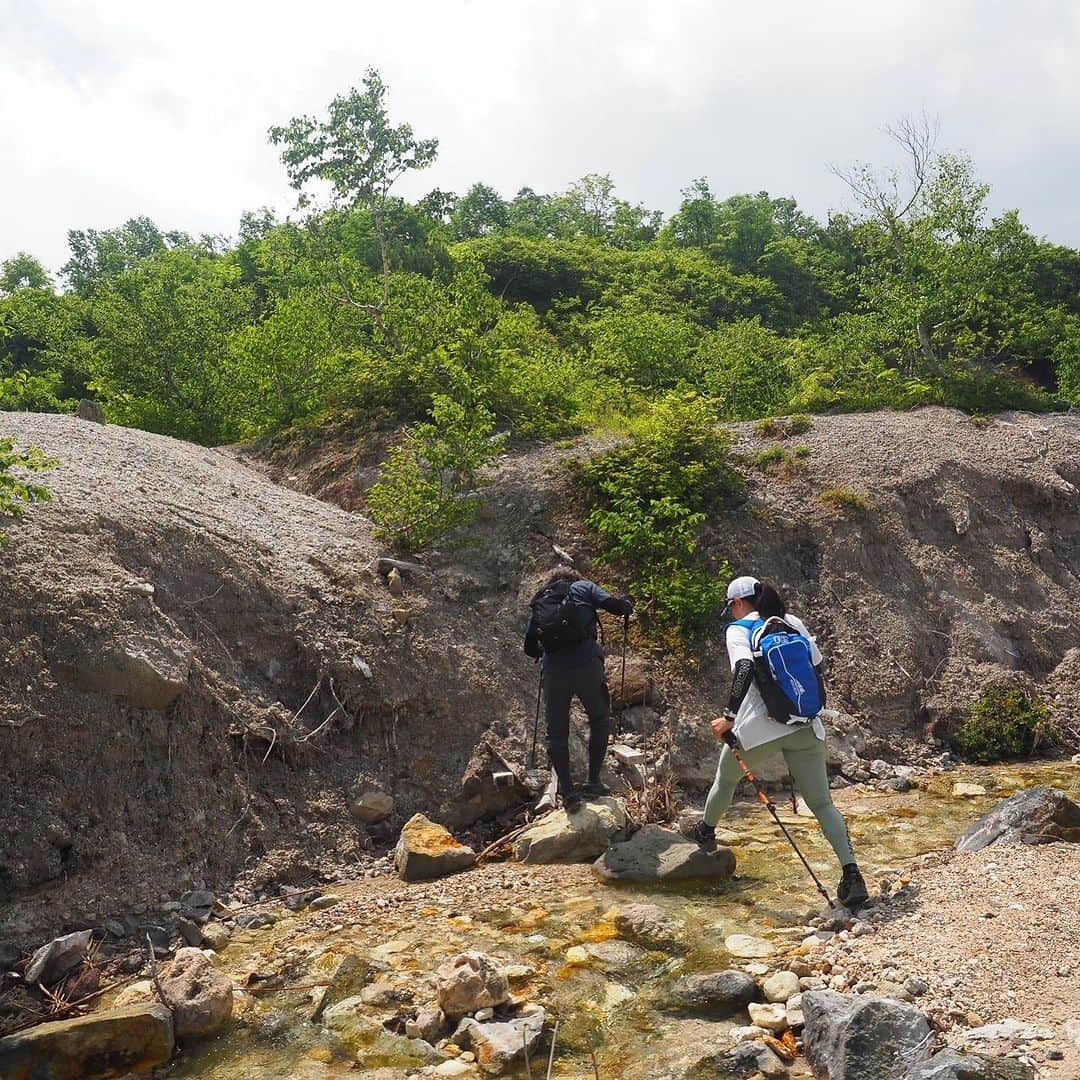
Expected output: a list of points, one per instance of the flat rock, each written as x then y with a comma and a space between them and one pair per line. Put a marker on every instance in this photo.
850, 1037
427, 850
654, 853
966, 790
649, 926
1036, 816
200, 996
53, 961
116, 1042
1011, 1030
747, 947
560, 837
951, 1065
718, 992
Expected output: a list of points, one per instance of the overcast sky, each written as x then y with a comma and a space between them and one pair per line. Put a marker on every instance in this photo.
114, 108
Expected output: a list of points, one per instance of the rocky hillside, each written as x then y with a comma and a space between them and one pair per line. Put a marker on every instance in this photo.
202, 667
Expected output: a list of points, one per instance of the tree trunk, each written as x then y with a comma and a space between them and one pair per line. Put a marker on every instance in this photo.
926, 346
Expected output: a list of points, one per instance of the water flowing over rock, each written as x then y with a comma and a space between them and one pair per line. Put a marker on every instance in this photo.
426, 850
720, 992
1036, 816
570, 838
468, 982
651, 927
654, 854
112, 1043
200, 997
862, 1037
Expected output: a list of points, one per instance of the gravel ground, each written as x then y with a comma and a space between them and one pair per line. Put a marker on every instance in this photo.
994, 934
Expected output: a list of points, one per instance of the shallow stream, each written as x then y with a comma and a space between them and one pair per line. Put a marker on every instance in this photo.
613, 1002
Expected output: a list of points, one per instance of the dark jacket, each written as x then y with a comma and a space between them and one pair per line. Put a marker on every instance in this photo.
591, 596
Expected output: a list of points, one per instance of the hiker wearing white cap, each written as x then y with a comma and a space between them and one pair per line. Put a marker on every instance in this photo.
776, 696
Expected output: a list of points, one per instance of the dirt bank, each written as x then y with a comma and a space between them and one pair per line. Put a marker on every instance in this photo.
222, 722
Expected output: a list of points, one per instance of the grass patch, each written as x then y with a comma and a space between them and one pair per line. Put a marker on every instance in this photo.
1004, 722
845, 499
782, 427
778, 461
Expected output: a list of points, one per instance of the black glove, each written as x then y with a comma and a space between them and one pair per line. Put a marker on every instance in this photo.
628, 600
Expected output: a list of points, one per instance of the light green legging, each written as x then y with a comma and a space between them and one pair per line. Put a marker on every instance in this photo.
804, 753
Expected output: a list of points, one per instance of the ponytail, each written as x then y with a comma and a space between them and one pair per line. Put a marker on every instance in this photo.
769, 602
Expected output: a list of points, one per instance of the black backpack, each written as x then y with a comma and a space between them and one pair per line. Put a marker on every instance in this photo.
560, 621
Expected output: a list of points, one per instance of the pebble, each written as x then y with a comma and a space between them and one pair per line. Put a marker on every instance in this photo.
1054, 1054
750, 1031
916, 986
576, 955
483, 1014
781, 986
321, 903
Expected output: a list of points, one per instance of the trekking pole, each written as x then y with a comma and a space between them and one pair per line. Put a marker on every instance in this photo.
536, 722
729, 738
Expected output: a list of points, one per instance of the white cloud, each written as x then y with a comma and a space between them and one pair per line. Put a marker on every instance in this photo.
119, 108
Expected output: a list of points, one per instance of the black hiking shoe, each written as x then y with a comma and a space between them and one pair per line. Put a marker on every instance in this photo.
596, 788
851, 892
572, 800
702, 834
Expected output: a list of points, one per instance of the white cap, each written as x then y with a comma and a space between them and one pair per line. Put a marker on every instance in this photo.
742, 587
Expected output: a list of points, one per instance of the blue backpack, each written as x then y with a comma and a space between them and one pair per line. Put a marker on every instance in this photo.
784, 670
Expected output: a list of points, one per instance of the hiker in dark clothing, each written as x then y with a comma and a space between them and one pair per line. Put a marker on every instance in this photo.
573, 666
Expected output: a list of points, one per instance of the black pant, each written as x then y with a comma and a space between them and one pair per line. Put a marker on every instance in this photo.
588, 684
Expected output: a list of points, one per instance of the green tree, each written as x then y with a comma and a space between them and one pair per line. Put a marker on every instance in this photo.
748, 368
479, 211
23, 271
933, 259
360, 155
96, 255
428, 485
163, 339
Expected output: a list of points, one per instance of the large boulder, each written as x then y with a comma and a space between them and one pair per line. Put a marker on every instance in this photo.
651, 927
860, 1037
952, 1065
111, 1043
560, 837
654, 853
427, 850
715, 992
470, 981
1036, 816
200, 997
498, 1045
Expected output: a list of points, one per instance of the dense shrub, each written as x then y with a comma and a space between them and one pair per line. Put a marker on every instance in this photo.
647, 499
427, 487
1004, 722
